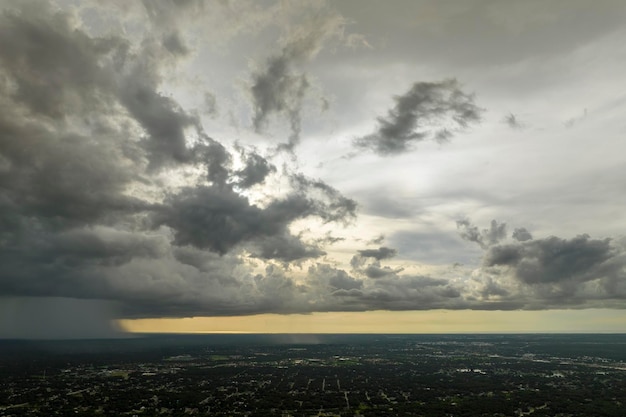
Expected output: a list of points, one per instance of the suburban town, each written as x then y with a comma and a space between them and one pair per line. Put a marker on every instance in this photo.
358, 375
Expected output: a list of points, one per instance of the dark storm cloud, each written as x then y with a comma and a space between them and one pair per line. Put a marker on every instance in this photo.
67, 179
46, 53
217, 218
41, 52
86, 134
161, 117
485, 237
67, 145
111, 189
212, 218
429, 110
50, 263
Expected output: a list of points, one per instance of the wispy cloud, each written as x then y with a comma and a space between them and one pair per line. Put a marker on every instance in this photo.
428, 110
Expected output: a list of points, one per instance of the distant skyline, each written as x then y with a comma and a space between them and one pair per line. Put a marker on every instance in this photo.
320, 166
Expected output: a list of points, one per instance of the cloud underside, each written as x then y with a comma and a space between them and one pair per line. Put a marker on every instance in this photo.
110, 189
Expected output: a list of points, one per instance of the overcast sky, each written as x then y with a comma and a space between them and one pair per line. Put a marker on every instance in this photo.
229, 158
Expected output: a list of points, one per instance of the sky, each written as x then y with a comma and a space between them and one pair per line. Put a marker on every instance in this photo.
312, 166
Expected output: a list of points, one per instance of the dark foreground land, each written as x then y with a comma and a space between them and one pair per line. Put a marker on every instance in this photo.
317, 375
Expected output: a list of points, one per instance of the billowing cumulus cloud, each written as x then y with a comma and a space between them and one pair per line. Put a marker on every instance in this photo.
86, 211
553, 272
428, 110
554, 260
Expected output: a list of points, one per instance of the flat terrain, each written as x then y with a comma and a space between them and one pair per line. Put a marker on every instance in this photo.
317, 375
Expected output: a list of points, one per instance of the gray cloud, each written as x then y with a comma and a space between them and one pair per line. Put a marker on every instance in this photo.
513, 121
395, 292
161, 117
375, 270
553, 259
381, 253
217, 160
255, 171
521, 234
42, 52
388, 291
175, 44
279, 88
329, 204
377, 240
554, 272
359, 261
367, 262
111, 189
213, 218
336, 279
210, 104
85, 136
485, 237
286, 248
429, 110
218, 218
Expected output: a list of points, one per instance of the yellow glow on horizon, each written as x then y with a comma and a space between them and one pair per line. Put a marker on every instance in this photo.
430, 321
